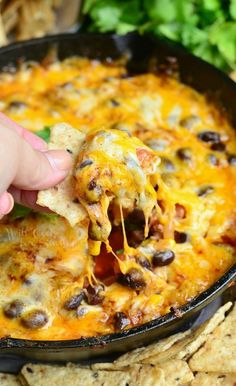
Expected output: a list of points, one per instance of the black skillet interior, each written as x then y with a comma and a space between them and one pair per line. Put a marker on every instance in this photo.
142, 53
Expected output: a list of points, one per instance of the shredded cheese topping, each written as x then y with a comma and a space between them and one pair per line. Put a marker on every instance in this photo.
168, 212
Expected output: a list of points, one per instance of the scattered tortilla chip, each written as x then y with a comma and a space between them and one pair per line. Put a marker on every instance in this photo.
61, 198
185, 347
176, 372
146, 375
9, 380
46, 375
216, 379
140, 354
104, 366
219, 352
233, 75
203, 332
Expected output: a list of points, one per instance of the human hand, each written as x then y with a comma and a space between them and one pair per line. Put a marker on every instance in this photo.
26, 166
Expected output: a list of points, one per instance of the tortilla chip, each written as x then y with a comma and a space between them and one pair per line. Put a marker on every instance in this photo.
9, 380
105, 366
219, 352
173, 372
46, 375
216, 379
185, 347
203, 332
146, 375
233, 75
61, 198
140, 354
176, 372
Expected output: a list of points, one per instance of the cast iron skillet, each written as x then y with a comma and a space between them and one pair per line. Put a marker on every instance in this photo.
141, 51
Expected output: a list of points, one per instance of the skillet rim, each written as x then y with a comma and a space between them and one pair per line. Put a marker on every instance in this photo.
186, 310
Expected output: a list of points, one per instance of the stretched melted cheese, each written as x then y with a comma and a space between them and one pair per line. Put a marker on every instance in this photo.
45, 263
114, 167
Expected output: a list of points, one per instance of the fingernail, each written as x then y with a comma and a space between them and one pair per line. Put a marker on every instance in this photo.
6, 203
59, 160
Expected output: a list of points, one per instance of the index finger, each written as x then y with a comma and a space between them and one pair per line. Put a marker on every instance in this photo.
36, 142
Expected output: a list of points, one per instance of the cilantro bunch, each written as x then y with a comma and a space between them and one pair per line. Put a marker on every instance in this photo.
206, 27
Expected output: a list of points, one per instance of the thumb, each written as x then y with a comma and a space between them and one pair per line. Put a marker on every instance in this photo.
41, 170
27, 168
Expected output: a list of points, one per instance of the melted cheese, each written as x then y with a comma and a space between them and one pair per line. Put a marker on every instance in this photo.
44, 262
115, 168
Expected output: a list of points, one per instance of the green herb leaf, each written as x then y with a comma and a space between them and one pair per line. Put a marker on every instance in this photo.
185, 12
132, 13
87, 5
124, 28
192, 36
224, 37
49, 216
119, 251
163, 11
211, 54
44, 134
232, 9
169, 30
205, 27
106, 15
19, 211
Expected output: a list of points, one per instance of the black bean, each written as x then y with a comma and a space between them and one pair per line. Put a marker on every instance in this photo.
81, 311
114, 103
17, 105
14, 309
185, 154
161, 258
108, 78
190, 122
9, 68
213, 159
92, 185
74, 301
121, 127
124, 76
93, 295
156, 144
203, 191
136, 217
218, 146
144, 262
86, 162
232, 159
94, 193
67, 86
27, 281
135, 238
167, 164
133, 279
180, 237
209, 136
34, 319
120, 321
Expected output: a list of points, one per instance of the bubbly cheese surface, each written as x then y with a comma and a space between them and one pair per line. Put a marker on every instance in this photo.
167, 244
